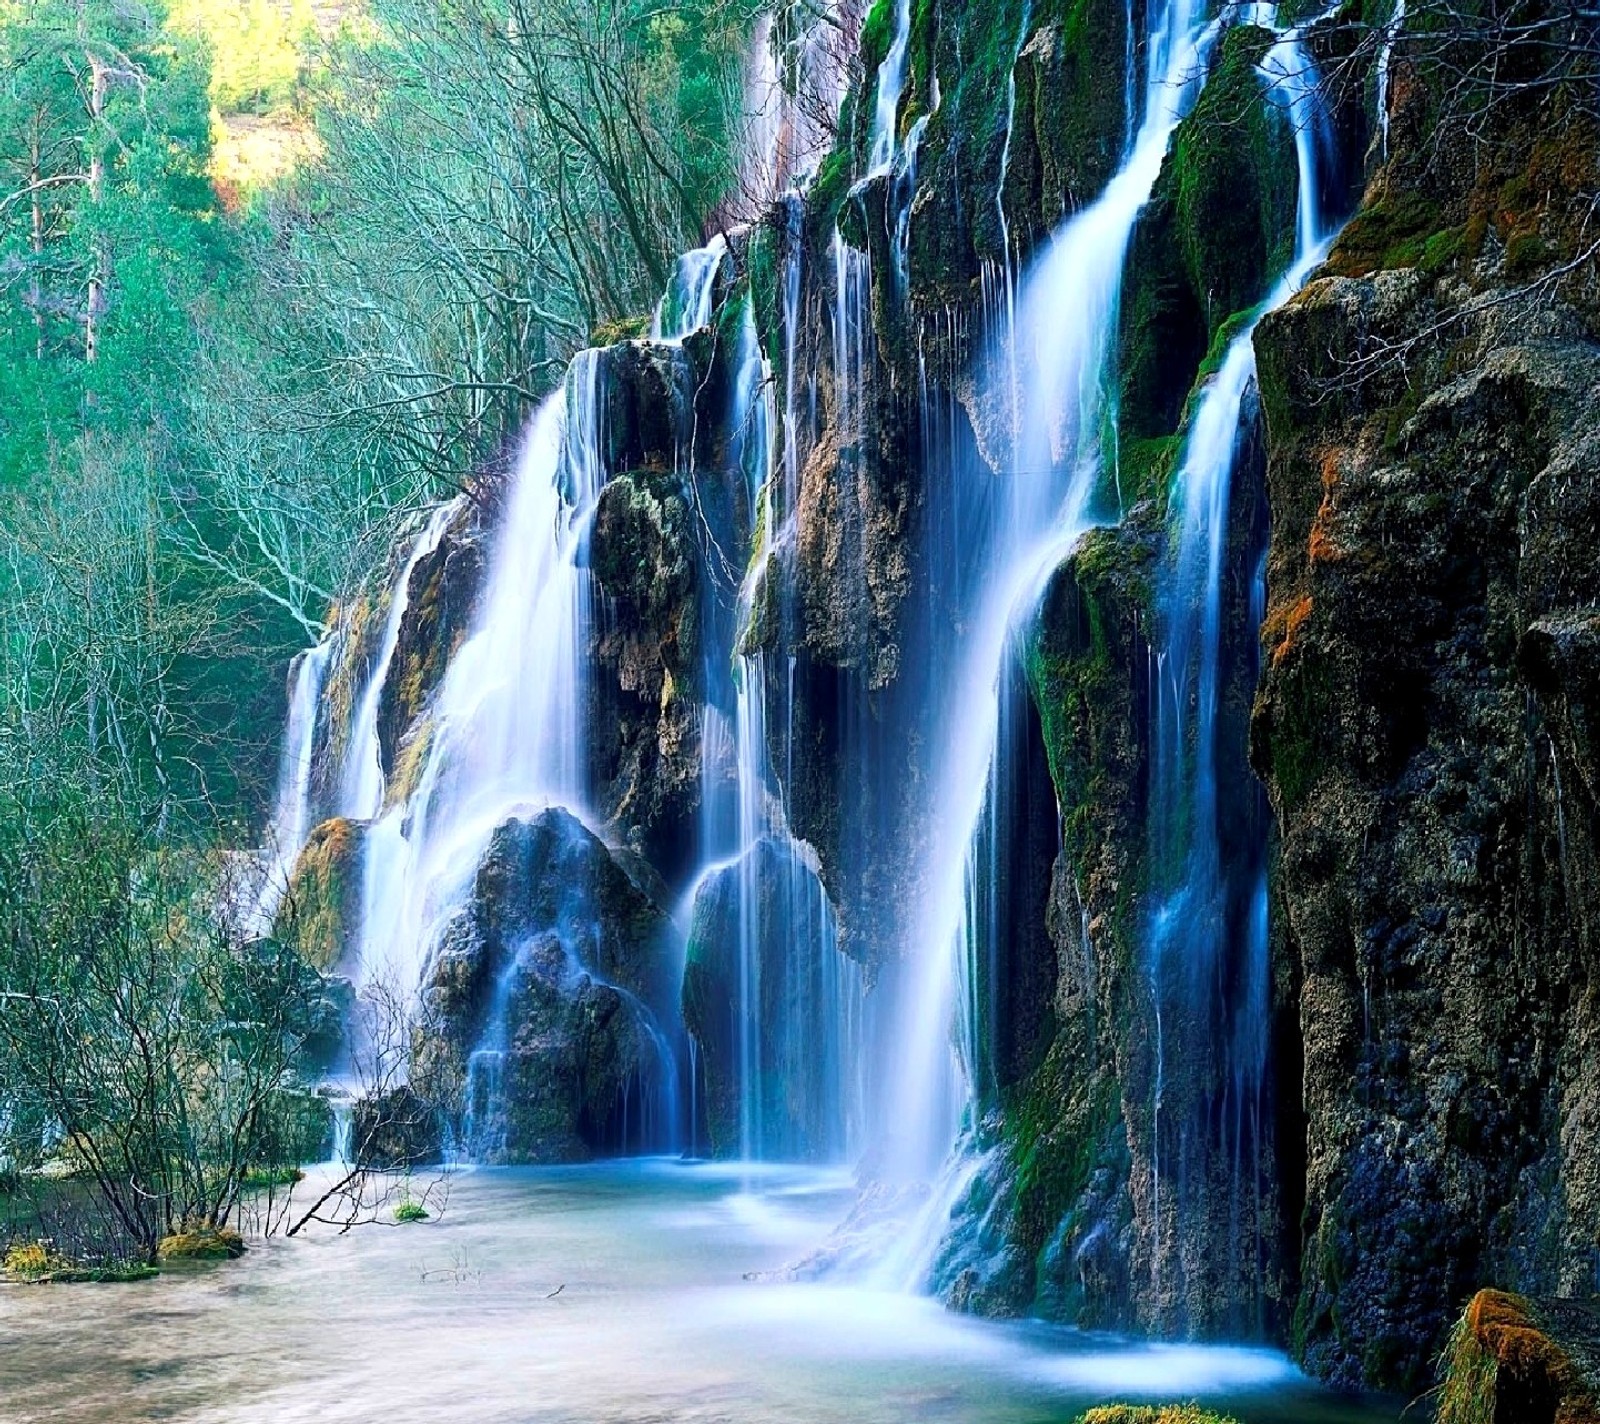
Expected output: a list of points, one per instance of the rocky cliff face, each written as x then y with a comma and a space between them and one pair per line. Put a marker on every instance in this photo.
1434, 474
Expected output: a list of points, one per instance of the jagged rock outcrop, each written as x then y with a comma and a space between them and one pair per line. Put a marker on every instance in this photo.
441, 596
320, 912
541, 1032
667, 551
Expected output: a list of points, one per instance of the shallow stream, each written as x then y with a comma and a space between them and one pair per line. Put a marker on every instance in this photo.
614, 1292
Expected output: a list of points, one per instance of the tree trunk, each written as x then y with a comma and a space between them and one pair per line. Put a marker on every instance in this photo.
91, 315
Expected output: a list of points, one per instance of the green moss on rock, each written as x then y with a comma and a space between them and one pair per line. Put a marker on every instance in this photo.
202, 1243
321, 910
1217, 231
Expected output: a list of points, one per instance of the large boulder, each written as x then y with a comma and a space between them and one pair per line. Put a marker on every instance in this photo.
773, 1007
1528, 1361
540, 1033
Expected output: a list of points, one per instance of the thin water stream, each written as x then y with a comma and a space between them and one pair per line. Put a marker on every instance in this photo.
612, 1292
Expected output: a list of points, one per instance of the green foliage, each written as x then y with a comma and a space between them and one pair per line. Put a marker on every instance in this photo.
257, 49
410, 1210
139, 1036
1154, 1414
265, 1178
1467, 1387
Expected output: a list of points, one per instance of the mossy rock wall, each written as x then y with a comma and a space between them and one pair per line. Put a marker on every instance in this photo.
1217, 233
1431, 660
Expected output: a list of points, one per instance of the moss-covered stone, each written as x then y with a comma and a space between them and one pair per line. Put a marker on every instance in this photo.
1218, 230
202, 1243
1154, 1414
1515, 1359
441, 595
320, 913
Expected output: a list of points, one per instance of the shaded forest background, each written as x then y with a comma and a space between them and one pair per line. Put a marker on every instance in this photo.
271, 273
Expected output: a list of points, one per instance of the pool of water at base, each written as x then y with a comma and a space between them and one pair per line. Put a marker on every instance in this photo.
605, 1294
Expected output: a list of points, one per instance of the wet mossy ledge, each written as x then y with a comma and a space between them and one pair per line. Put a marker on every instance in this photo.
200, 1243
39, 1263
1512, 1360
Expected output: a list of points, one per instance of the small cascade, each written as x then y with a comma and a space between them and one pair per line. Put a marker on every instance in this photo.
1391, 34
687, 303
998, 282
342, 1112
292, 812
1064, 330
853, 343
765, 162
795, 81
1207, 939
361, 788
884, 139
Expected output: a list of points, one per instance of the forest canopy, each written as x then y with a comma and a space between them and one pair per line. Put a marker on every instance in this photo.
274, 274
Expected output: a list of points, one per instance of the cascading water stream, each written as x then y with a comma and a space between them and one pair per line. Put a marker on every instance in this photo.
1391, 35
291, 816
361, 785
797, 1014
884, 139
505, 727
687, 303
1066, 324
1209, 925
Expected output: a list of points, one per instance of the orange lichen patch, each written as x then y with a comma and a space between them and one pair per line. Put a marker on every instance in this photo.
1322, 548
1284, 619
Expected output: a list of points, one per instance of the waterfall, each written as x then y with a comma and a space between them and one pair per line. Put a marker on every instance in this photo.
1391, 34
1208, 926
505, 731
687, 303
291, 815
891, 85
795, 81
796, 1011
1066, 321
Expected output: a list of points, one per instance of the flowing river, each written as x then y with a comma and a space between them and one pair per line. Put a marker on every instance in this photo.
614, 1292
